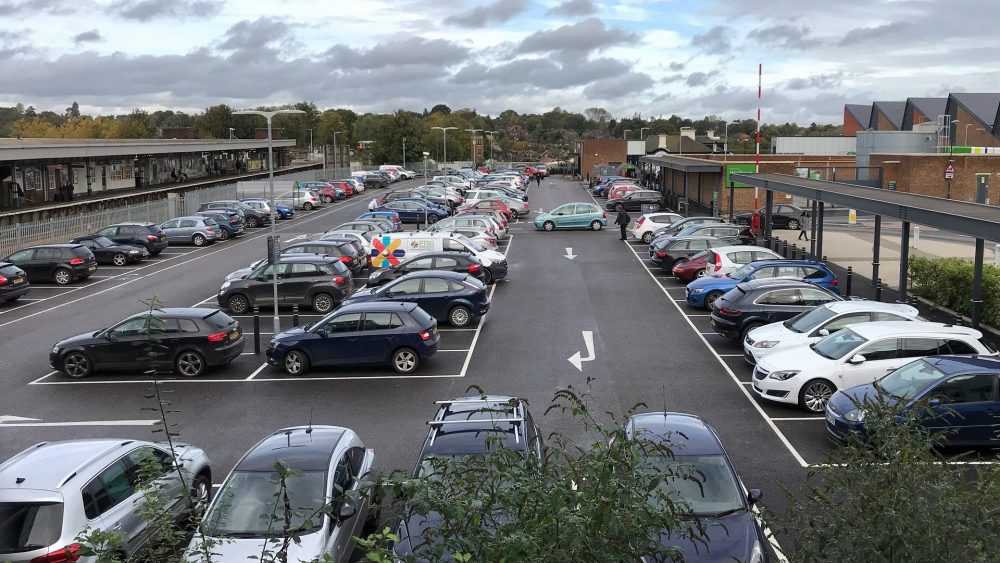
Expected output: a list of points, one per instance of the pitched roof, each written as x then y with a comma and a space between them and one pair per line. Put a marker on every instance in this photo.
893, 111
984, 107
930, 108
862, 113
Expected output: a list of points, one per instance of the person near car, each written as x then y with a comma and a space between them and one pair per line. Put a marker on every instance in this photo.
373, 204
538, 179
622, 221
804, 221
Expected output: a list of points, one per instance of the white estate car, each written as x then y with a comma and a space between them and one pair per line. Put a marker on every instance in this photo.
819, 322
809, 374
725, 259
646, 224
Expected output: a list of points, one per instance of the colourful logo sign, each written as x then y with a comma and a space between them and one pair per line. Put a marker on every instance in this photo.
386, 252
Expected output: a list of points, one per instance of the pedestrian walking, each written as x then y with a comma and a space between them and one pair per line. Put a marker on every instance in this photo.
538, 180
373, 204
622, 221
804, 225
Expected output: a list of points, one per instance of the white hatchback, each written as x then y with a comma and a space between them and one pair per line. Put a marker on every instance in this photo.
725, 259
646, 224
809, 374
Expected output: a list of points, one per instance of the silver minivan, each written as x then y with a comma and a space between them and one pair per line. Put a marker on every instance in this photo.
194, 229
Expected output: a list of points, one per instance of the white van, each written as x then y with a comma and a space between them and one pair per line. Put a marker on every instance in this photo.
390, 249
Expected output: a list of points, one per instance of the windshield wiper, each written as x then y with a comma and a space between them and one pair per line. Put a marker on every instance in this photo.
814, 349
725, 512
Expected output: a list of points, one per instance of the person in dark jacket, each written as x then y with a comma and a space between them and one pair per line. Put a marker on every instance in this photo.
622, 221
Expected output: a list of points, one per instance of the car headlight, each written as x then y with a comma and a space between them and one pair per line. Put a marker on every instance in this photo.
757, 553
696, 290
765, 344
856, 415
55, 349
227, 284
784, 374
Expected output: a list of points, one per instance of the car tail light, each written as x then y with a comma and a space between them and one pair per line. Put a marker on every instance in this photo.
834, 282
64, 555
729, 312
661, 253
640, 222
3, 280
218, 336
718, 261
473, 268
604, 214
76, 261
208, 229
338, 280
345, 259
152, 238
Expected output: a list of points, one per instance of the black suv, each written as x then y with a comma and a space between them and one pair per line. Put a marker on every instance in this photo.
633, 201
188, 340
61, 263
147, 235
342, 249
302, 280
252, 217
13, 282
759, 302
468, 426
375, 180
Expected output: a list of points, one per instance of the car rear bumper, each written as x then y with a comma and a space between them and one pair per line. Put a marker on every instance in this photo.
499, 270
226, 353
724, 327
15, 291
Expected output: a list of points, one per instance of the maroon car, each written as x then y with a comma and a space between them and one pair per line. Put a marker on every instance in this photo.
688, 269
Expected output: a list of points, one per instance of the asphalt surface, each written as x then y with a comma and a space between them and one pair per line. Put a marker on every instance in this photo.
649, 349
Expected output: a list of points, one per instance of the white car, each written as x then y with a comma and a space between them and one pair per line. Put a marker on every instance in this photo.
299, 199
819, 322
649, 222
356, 184
364, 237
518, 207
809, 374
477, 234
725, 259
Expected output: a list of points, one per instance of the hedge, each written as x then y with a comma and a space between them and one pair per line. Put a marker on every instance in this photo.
948, 282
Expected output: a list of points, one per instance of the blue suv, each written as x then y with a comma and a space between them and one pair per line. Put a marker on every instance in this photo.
703, 292
455, 297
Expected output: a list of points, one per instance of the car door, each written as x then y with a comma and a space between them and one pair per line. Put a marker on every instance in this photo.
297, 282
347, 477
24, 259
111, 233
170, 229
338, 341
450, 264
126, 345
260, 288
837, 323
112, 496
416, 265
379, 336
881, 357
402, 290
436, 297
779, 304
964, 408
156, 467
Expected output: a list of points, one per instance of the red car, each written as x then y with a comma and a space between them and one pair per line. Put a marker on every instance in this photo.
324, 190
346, 187
688, 269
487, 205
619, 191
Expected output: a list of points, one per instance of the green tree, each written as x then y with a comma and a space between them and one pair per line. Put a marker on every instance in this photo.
215, 122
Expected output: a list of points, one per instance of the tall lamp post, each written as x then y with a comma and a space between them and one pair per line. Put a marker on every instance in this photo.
426, 154
335, 173
404, 153
680, 139
474, 131
491, 133
310, 145
273, 239
642, 131
444, 132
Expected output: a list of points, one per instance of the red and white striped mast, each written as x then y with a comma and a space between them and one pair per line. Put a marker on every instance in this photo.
756, 169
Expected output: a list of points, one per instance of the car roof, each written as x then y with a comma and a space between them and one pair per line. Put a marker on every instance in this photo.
180, 312
134, 224
776, 283
436, 274
739, 248
463, 425
908, 328
687, 434
853, 305
54, 245
51, 465
955, 365
377, 307
785, 262
300, 447
303, 258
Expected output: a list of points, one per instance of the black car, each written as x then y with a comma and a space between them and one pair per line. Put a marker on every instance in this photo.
665, 251
252, 217
302, 280
13, 282
634, 201
414, 193
185, 340
467, 426
759, 302
733, 234
375, 180
461, 262
704, 479
60, 263
342, 249
345, 242
147, 235
455, 297
783, 216
230, 224
107, 252
678, 226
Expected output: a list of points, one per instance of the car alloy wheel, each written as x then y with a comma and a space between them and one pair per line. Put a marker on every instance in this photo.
596, 226
308, 206
431, 219
487, 276
327, 199
793, 225
77, 365
322, 303
405, 360
62, 276
201, 494
815, 394
199, 239
295, 363
513, 212
190, 364
251, 222
460, 316
699, 274
239, 304
119, 259
549, 226
647, 237
224, 234
710, 299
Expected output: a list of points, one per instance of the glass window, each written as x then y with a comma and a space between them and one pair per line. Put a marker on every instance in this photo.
303, 270
788, 272
839, 344
762, 255
131, 327
436, 285
381, 321
763, 273
89, 243
156, 458
812, 297
741, 257
680, 245
187, 223
880, 316
267, 271
187, 325
846, 320
887, 349
704, 483
251, 499
780, 297
920, 347
21, 256
445, 263
420, 264
27, 526
108, 231
170, 224
965, 389
48, 254
348, 322
404, 287
960, 347
813, 273
118, 481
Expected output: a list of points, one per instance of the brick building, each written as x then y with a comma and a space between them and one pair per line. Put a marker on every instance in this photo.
924, 174
592, 153
856, 117
975, 119
922, 110
887, 116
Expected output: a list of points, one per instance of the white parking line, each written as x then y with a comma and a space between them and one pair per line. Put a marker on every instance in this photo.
466, 350
257, 371
730, 355
796, 418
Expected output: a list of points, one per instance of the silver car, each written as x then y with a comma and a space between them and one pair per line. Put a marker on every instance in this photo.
195, 229
329, 506
298, 199
482, 222
53, 491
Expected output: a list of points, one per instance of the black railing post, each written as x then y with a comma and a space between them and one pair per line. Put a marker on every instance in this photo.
295, 315
784, 248
256, 329
847, 284
878, 289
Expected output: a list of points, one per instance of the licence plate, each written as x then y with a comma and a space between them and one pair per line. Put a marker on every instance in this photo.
830, 420
92, 268
18, 281
234, 335
712, 322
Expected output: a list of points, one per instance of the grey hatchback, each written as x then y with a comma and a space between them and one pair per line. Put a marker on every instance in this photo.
53, 492
194, 229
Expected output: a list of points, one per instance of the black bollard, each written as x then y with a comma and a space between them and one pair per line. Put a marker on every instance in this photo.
878, 289
824, 261
795, 251
256, 329
295, 315
847, 286
784, 248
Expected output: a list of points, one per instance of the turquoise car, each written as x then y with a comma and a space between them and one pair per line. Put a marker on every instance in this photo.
578, 215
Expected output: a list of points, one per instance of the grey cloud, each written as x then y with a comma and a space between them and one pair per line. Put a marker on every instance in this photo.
819, 81
585, 36
14, 43
146, 10
699, 78
785, 35
629, 83
573, 8
88, 37
867, 34
258, 38
35, 7
498, 11
715, 41
537, 73
410, 51
677, 66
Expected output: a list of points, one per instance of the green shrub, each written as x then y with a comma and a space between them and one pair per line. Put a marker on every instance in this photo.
948, 282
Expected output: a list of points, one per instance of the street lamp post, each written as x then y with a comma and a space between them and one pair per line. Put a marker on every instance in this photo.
642, 131
231, 136
491, 133
474, 131
444, 132
625, 133
680, 139
426, 154
273, 242
335, 173
404, 153
310, 145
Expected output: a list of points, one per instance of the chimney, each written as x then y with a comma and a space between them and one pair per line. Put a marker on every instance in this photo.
689, 133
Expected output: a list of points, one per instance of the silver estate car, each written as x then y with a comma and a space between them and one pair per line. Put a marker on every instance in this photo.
328, 461
53, 491
194, 229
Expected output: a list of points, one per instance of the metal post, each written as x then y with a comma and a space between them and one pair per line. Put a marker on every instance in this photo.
977, 284
274, 231
876, 246
795, 251
847, 284
878, 289
404, 153
784, 248
904, 261
824, 261
256, 329
732, 199
295, 315
768, 205
818, 222
812, 228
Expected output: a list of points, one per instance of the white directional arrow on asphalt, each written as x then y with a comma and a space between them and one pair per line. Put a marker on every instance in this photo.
576, 359
300, 237
569, 253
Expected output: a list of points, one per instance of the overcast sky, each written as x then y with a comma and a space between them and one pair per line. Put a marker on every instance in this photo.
652, 57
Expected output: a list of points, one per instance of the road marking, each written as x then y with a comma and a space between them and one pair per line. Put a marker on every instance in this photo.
569, 253
700, 315
466, 350
796, 418
576, 359
46, 376
730, 355
82, 423
256, 380
256, 371
11, 418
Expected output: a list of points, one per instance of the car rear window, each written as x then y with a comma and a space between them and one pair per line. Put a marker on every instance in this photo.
26, 526
421, 316
219, 319
81, 251
156, 230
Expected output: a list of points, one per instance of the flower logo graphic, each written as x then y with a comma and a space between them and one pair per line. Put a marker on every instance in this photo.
386, 252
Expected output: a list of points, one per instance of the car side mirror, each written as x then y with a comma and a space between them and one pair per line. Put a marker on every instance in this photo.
387, 294
856, 359
110, 337
823, 332
748, 278
934, 402
321, 333
753, 496
346, 513
261, 278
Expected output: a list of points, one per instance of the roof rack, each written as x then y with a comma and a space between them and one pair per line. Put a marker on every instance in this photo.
517, 420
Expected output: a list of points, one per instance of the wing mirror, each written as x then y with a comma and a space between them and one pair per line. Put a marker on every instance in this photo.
346, 512
753, 496
823, 332
934, 402
321, 333
110, 336
748, 278
856, 359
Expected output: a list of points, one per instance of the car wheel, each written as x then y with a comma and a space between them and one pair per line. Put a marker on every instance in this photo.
710, 299
238, 303
308, 206
77, 365
699, 274
327, 199
549, 226
431, 219
295, 363
746, 330
190, 364
405, 360
815, 394
224, 234
793, 224
487, 276
513, 213
198, 239
153, 252
252, 222
119, 259
460, 316
201, 494
596, 225
322, 303
647, 237
62, 276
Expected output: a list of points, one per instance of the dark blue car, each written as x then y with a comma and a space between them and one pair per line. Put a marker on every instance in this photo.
399, 334
959, 393
415, 211
703, 292
452, 296
705, 480
397, 225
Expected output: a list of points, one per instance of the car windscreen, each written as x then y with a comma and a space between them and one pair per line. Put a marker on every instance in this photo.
470, 243
910, 380
703, 484
246, 504
27, 526
155, 229
742, 271
103, 242
838, 344
808, 320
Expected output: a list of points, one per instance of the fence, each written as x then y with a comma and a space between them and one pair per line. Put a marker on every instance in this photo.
20, 235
